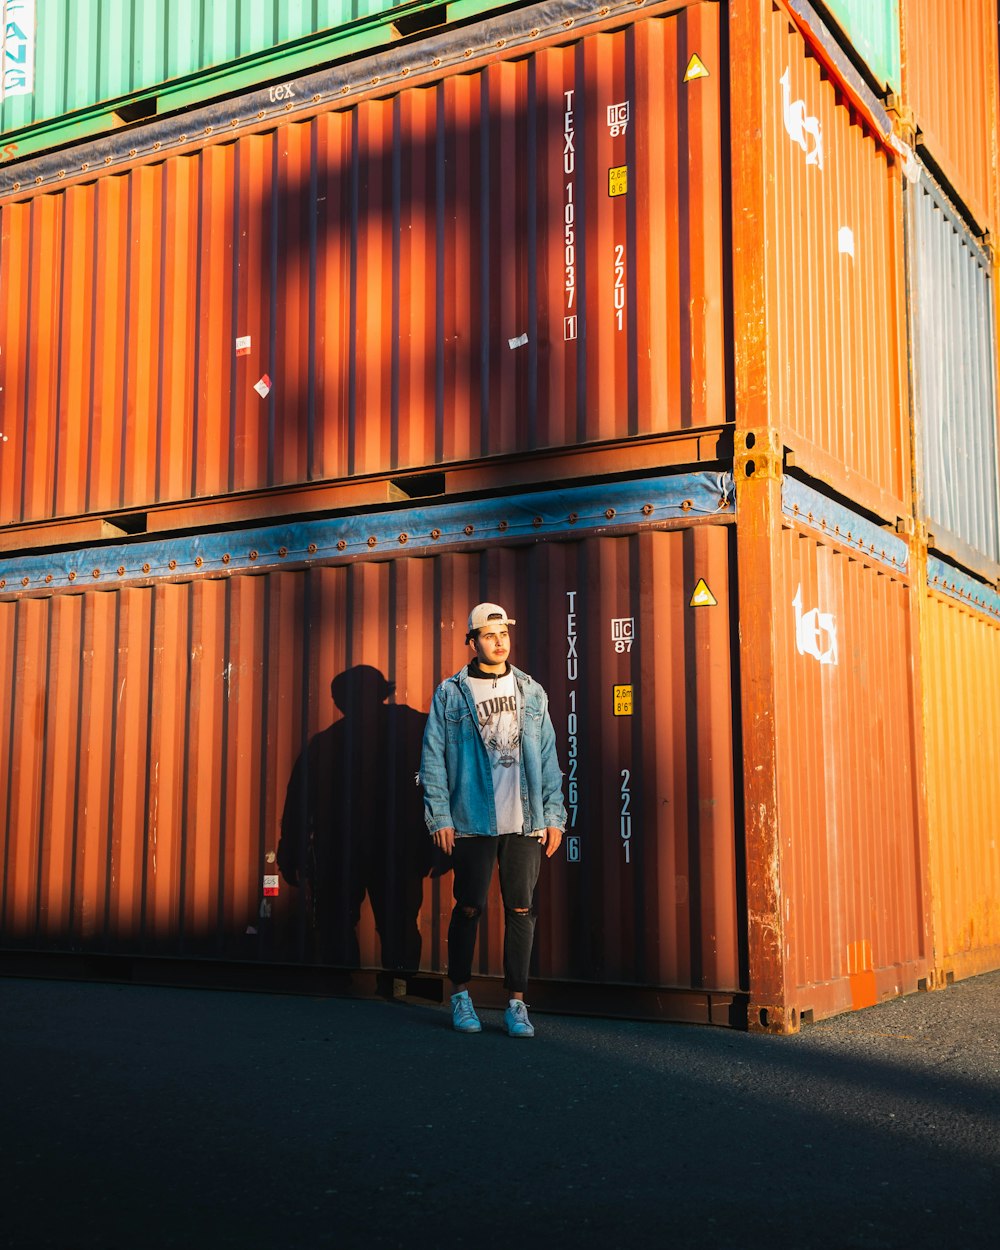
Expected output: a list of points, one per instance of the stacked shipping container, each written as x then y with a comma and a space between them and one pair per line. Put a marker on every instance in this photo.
72, 70
496, 256
361, 263
945, 96
952, 217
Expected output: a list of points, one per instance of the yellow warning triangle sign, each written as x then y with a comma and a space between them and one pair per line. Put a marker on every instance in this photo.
696, 68
703, 597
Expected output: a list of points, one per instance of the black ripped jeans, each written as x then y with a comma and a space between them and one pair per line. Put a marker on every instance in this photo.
519, 859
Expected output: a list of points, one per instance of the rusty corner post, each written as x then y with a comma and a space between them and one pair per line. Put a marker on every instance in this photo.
758, 473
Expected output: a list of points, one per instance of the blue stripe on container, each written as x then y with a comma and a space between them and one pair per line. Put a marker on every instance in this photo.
392, 532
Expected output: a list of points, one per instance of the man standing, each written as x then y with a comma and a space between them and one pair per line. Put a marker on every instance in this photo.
492, 795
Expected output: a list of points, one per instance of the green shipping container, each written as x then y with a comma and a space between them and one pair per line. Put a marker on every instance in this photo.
76, 68
872, 27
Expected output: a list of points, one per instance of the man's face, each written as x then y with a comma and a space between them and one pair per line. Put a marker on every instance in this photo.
492, 646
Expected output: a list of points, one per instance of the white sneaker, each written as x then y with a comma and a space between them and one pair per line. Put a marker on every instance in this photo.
463, 1014
516, 1020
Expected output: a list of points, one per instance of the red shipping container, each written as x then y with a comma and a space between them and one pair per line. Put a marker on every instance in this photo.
519, 255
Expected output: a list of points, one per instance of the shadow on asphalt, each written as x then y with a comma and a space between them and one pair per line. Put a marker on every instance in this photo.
138, 1117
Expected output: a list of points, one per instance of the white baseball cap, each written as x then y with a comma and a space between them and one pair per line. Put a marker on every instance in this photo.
485, 615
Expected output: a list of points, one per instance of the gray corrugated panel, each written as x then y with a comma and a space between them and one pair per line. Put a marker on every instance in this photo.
955, 392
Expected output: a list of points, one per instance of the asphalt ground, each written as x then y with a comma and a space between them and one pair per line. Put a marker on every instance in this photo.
160, 1117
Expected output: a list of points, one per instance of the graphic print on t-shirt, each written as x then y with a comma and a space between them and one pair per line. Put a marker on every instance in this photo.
498, 725
496, 701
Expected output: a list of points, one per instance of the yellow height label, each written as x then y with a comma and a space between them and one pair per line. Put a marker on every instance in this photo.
618, 180
623, 700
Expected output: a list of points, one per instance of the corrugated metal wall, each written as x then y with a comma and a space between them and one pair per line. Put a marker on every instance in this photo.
834, 280
87, 52
848, 773
962, 727
444, 275
954, 374
950, 77
527, 255
873, 29
154, 740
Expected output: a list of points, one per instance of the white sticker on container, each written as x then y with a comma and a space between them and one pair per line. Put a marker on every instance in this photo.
911, 166
270, 884
618, 117
623, 633
263, 387
520, 341
243, 345
845, 241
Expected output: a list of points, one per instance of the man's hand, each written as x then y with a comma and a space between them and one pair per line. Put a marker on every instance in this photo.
551, 839
444, 839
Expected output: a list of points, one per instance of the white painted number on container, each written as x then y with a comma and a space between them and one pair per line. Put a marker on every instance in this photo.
623, 633
815, 632
618, 118
572, 729
620, 285
802, 128
626, 815
569, 220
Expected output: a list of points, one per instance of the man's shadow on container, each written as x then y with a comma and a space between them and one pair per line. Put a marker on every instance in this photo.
353, 825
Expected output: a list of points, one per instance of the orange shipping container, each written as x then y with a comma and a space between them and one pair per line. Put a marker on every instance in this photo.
523, 251
169, 746
962, 726
849, 805
950, 84
211, 720
834, 290
527, 254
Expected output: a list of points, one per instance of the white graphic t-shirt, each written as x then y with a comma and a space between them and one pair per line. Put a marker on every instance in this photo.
496, 708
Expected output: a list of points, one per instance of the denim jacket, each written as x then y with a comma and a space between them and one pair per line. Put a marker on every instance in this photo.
455, 766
